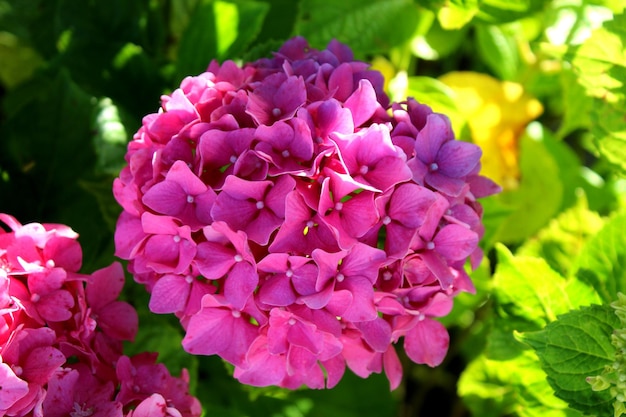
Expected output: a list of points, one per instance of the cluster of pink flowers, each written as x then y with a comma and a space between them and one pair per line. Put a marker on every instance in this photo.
61, 335
296, 222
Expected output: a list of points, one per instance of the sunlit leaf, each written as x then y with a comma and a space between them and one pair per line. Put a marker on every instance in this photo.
528, 289
438, 43
562, 240
502, 11
602, 261
539, 195
600, 66
368, 26
499, 50
457, 13
218, 29
493, 388
574, 347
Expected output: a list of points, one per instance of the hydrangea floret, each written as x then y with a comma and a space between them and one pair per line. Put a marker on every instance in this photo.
297, 222
62, 334
613, 377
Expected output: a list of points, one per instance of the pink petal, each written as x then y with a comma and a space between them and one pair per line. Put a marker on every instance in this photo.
169, 294
393, 368
377, 333
166, 197
41, 363
455, 242
240, 284
105, 285
13, 388
55, 307
427, 343
362, 103
118, 320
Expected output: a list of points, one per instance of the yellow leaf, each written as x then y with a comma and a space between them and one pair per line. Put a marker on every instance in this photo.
497, 113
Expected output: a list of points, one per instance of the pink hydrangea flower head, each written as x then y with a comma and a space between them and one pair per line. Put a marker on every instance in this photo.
61, 331
308, 225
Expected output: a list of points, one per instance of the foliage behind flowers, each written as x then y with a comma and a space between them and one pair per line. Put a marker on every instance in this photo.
61, 335
293, 225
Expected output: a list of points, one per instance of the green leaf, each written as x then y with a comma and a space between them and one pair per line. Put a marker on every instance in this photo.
515, 387
602, 261
455, 14
609, 131
503, 11
574, 347
577, 107
110, 139
367, 26
218, 29
19, 61
532, 293
279, 21
437, 43
600, 66
600, 62
539, 196
562, 240
498, 49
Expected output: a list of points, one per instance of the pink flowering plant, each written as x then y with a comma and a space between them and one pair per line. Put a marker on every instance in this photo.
361, 208
297, 223
62, 334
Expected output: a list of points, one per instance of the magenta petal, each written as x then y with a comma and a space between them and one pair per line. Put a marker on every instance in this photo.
335, 368
457, 159
482, 186
153, 406
181, 174
341, 81
398, 239
277, 291
409, 204
55, 307
41, 363
377, 333
447, 185
300, 360
438, 267
119, 320
429, 140
217, 331
427, 343
240, 284
166, 197
304, 334
105, 285
455, 242
264, 369
13, 388
214, 260
393, 367
169, 294
362, 103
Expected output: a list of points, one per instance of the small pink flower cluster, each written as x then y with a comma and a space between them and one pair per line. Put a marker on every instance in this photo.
296, 222
61, 335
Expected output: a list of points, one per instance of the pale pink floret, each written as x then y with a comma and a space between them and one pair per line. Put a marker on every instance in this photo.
297, 223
